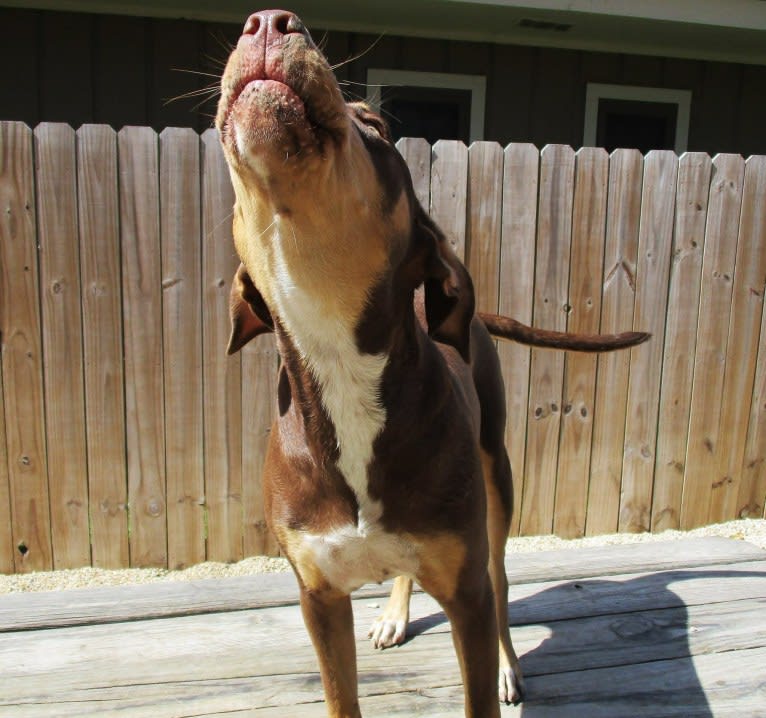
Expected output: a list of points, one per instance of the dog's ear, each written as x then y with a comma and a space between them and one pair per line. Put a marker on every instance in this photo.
449, 297
248, 312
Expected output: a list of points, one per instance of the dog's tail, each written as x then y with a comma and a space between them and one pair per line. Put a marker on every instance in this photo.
507, 328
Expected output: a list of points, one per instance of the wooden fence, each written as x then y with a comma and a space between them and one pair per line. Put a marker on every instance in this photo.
127, 437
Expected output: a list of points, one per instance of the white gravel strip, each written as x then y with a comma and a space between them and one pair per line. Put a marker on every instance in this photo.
751, 530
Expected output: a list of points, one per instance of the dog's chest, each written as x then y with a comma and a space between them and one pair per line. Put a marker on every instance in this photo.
351, 556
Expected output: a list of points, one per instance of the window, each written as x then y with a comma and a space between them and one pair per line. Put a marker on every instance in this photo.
431, 105
644, 118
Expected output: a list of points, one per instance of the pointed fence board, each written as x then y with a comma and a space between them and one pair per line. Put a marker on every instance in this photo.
742, 347
144, 390
6, 537
22, 355
654, 243
57, 234
617, 303
182, 344
583, 315
680, 338
712, 336
259, 400
417, 154
449, 180
100, 260
554, 225
516, 290
485, 187
752, 489
221, 374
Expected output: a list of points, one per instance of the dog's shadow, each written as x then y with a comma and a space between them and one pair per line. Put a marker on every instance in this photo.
619, 643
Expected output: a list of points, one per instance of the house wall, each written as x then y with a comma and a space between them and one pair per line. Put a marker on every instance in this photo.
81, 68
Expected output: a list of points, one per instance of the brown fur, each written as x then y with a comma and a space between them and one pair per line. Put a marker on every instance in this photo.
387, 455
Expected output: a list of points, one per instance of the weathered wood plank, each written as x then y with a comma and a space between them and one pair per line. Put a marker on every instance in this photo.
22, 356
485, 186
752, 490
182, 344
97, 182
583, 316
142, 310
617, 303
57, 237
742, 348
417, 154
125, 603
516, 290
680, 338
259, 400
449, 179
712, 336
221, 374
6, 536
554, 227
654, 243
188, 656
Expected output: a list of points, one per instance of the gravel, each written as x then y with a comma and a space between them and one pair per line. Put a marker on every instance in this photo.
751, 530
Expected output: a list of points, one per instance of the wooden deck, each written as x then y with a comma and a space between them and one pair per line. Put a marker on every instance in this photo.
661, 629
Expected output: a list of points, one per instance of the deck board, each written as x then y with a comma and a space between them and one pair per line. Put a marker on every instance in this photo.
685, 638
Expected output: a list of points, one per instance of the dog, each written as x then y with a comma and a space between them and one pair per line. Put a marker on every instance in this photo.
387, 457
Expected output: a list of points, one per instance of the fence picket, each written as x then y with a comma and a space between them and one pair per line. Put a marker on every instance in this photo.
222, 374
586, 262
516, 291
485, 187
417, 154
22, 352
752, 489
742, 347
554, 227
182, 344
680, 338
98, 204
57, 237
654, 244
617, 305
449, 179
6, 537
259, 398
712, 336
142, 299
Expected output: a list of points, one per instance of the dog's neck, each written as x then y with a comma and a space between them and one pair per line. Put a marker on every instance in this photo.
347, 380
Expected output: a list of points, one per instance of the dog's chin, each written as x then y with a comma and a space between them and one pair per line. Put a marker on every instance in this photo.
267, 119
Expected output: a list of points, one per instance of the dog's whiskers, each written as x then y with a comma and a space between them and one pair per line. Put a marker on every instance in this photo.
353, 58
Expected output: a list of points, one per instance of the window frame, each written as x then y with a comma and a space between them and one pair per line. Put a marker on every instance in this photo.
476, 84
596, 91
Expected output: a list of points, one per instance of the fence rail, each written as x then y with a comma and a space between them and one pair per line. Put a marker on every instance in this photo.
127, 437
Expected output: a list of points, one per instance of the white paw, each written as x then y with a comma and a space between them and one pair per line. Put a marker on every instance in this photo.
386, 633
510, 687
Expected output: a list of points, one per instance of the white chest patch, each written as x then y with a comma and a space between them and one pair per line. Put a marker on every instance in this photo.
348, 559
349, 382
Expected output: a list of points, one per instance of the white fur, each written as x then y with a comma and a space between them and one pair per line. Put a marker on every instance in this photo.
349, 558
349, 380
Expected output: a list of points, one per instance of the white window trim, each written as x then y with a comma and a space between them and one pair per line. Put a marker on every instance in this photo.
477, 84
596, 91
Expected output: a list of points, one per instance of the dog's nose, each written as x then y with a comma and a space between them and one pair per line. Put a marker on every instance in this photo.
273, 24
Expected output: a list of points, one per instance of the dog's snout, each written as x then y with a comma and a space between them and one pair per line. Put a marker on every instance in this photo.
273, 24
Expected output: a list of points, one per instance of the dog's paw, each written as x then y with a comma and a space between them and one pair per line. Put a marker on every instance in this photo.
386, 633
510, 687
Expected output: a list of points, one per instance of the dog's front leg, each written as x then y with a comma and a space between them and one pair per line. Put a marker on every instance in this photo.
330, 623
471, 613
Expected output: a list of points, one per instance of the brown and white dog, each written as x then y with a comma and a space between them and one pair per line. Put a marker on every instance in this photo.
387, 457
